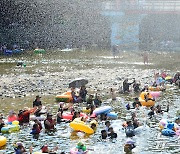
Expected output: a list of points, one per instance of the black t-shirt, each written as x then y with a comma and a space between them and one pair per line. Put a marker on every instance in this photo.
37, 103
112, 135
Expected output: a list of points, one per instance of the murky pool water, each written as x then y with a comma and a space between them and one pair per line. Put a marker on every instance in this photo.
49, 74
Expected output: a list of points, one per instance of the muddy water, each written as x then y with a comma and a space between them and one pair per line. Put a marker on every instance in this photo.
49, 74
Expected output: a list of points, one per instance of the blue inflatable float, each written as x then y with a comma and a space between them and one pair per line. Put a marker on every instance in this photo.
102, 110
168, 132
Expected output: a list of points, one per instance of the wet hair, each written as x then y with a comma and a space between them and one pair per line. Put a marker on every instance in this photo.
107, 122
35, 125
93, 125
103, 131
110, 128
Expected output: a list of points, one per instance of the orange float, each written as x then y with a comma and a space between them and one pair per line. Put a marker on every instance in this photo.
65, 97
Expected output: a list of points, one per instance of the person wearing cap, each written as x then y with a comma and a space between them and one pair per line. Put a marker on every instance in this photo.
1, 122
37, 101
49, 123
129, 145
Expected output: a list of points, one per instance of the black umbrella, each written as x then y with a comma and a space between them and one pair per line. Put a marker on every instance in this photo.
77, 83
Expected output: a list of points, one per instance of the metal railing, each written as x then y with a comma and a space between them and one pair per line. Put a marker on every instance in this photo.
143, 5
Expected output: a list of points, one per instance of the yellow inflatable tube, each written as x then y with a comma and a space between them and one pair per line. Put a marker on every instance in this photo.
3, 141
146, 103
84, 110
81, 126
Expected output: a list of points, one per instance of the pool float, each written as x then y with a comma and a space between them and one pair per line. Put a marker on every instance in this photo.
15, 122
168, 132
112, 115
163, 123
37, 51
158, 88
178, 132
10, 128
3, 141
146, 103
155, 94
17, 51
65, 97
68, 115
102, 110
85, 110
168, 78
81, 126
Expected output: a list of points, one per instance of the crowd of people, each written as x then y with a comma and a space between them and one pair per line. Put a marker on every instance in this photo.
92, 101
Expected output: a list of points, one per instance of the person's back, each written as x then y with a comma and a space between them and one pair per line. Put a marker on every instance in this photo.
129, 129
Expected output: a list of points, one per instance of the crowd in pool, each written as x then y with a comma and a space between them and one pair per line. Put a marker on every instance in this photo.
87, 122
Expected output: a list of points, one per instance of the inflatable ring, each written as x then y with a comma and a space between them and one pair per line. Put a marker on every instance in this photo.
65, 97
146, 103
86, 110
10, 128
102, 110
3, 141
81, 126
68, 115
168, 132
15, 122
38, 51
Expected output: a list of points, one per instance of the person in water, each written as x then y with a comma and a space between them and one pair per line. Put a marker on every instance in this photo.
152, 112
147, 97
113, 95
145, 89
130, 144
90, 100
20, 149
136, 87
37, 127
159, 110
129, 130
83, 93
76, 115
111, 133
49, 123
35, 131
24, 116
76, 98
104, 134
12, 116
37, 102
108, 124
126, 85
97, 100
45, 149
2, 124
136, 103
